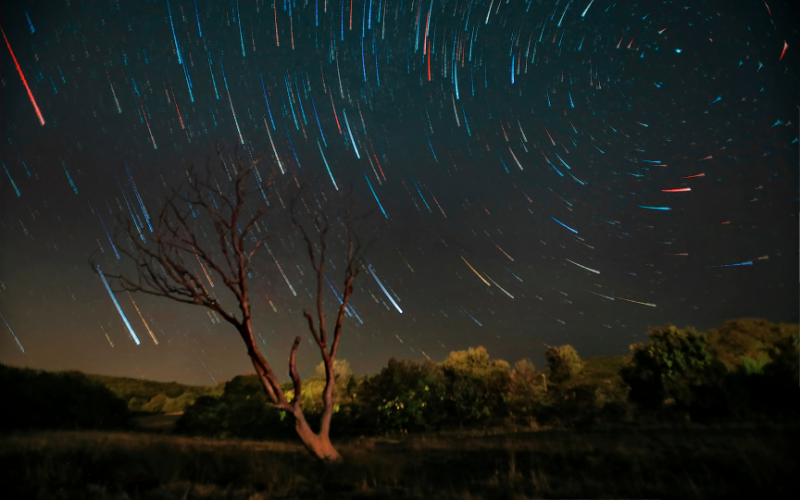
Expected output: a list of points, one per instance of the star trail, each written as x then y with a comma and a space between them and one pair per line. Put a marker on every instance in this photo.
614, 149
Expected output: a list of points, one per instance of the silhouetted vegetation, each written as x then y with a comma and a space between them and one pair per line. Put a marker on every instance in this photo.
746, 370
34, 399
455, 429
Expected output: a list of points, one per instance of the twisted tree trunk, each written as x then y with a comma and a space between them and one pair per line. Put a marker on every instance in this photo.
319, 444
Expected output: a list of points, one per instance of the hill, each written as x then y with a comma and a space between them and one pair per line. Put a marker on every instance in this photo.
151, 396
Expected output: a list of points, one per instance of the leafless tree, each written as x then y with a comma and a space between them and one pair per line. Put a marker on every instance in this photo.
165, 268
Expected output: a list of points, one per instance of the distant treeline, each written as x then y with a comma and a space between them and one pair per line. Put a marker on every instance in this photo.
745, 370
155, 397
36, 399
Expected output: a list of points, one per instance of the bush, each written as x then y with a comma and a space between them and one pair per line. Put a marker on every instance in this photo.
564, 363
404, 396
476, 386
242, 411
776, 390
34, 399
314, 386
738, 340
525, 390
666, 367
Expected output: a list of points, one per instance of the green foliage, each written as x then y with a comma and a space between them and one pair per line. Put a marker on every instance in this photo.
471, 389
582, 392
784, 356
155, 397
314, 386
752, 366
564, 363
525, 389
752, 373
36, 399
406, 395
476, 386
242, 411
341, 370
667, 366
749, 338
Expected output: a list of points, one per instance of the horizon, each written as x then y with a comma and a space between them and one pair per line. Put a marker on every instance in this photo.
538, 365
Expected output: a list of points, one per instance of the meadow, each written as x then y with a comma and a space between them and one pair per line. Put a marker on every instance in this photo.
686, 462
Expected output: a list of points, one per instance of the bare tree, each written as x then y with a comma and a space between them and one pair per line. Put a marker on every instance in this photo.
165, 268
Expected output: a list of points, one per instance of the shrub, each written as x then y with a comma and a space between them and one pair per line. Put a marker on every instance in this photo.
406, 395
341, 370
666, 366
476, 386
564, 363
242, 411
752, 366
525, 390
747, 338
754, 388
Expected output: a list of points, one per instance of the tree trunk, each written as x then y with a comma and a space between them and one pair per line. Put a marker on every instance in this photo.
318, 445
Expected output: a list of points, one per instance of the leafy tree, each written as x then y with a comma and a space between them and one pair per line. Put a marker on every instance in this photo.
204, 417
526, 389
242, 411
406, 396
314, 387
564, 363
747, 340
524, 376
784, 357
754, 390
341, 370
476, 385
667, 366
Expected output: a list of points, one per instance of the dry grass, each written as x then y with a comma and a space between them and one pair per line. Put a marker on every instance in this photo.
645, 463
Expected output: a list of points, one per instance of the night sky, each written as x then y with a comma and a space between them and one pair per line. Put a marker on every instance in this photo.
551, 172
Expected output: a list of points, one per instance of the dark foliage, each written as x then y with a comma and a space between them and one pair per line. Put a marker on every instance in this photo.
744, 341
671, 378
752, 374
476, 386
406, 395
667, 366
34, 399
241, 411
768, 393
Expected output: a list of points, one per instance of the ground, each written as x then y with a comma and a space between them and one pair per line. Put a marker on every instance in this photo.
685, 463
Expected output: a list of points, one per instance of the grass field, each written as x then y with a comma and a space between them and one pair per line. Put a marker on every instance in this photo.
686, 463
